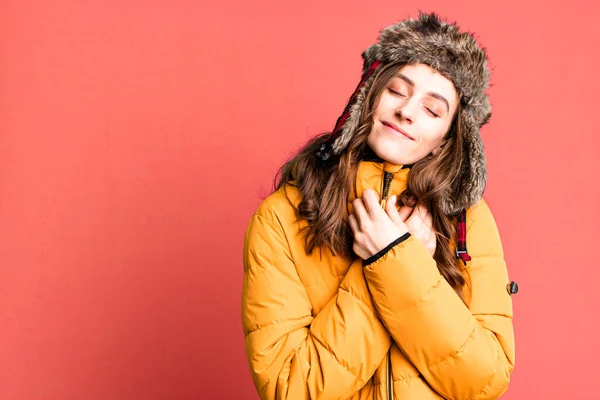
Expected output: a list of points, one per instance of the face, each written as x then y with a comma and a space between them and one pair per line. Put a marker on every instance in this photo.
413, 115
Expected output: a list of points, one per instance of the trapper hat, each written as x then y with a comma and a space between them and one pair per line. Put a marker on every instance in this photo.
454, 54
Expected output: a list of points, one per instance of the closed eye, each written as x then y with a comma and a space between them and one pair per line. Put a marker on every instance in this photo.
432, 113
396, 93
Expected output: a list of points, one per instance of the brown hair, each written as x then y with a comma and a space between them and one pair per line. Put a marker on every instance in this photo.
325, 188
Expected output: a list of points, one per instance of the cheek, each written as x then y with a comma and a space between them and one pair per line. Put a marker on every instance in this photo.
386, 103
430, 141
434, 132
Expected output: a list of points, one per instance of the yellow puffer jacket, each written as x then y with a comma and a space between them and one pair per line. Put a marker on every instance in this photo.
324, 327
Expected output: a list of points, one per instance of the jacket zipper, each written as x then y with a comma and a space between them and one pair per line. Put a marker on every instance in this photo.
388, 177
390, 382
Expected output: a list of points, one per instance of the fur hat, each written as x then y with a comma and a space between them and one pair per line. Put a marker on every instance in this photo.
454, 54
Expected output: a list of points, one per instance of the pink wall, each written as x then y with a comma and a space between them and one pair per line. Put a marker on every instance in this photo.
137, 138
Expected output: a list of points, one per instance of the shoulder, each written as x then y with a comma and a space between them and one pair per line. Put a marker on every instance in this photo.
483, 237
270, 236
480, 213
279, 208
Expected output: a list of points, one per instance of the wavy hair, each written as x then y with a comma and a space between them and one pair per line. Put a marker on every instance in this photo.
325, 188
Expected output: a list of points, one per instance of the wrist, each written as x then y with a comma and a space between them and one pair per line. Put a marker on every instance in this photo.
386, 249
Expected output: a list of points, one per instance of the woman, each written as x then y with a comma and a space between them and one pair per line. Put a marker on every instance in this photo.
358, 283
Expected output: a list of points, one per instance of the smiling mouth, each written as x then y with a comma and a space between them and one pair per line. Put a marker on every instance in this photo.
398, 130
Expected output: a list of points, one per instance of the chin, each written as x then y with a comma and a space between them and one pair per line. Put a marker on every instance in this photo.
390, 152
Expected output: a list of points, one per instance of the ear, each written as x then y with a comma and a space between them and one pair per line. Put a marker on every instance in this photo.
437, 150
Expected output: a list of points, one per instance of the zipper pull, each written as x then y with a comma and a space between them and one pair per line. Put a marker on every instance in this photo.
388, 177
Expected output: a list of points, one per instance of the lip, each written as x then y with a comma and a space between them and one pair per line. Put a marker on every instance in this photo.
395, 127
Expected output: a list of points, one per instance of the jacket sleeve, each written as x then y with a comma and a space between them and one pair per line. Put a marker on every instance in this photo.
462, 352
292, 353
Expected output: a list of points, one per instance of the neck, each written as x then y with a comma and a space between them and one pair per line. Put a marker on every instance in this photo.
369, 155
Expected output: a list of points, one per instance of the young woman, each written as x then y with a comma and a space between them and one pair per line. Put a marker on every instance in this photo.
357, 280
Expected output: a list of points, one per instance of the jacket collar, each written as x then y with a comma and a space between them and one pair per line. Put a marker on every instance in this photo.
370, 175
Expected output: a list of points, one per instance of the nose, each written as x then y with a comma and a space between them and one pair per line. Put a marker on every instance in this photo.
406, 111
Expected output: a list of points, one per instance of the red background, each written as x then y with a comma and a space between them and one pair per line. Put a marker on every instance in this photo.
138, 137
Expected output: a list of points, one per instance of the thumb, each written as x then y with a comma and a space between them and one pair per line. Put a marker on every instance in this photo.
405, 212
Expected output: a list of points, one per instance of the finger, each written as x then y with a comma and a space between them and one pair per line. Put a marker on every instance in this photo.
371, 201
420, 213
405, 212
392, 210
360, 211
353, 224
390, 206
416, 221
426, 216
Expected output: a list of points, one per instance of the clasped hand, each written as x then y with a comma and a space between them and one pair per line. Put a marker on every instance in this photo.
375, 228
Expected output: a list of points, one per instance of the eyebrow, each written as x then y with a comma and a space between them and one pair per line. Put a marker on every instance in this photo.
432, 94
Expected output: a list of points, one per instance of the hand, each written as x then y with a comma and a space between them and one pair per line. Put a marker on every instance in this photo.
419, 224
373, 227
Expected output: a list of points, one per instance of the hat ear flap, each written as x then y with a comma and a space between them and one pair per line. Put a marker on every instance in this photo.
475, 185
479, 110
468, 187
352, 116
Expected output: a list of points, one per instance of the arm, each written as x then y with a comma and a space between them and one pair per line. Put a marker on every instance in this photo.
462, 352
293, 354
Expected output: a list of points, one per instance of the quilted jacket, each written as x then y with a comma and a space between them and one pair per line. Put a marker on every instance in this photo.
328, 327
